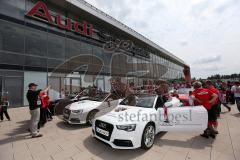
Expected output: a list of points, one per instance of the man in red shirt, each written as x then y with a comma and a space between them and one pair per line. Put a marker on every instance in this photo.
217, 105
206, 98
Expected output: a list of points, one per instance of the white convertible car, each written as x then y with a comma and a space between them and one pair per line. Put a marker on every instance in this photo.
85, 110
137, 119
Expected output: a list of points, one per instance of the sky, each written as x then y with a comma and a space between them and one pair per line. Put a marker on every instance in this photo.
203, 33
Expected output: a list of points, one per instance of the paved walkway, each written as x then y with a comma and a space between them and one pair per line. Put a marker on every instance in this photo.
64, 142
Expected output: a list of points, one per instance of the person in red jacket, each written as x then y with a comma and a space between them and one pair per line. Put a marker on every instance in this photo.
45, 102
205, 97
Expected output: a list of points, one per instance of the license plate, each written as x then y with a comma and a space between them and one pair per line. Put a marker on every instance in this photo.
101, 131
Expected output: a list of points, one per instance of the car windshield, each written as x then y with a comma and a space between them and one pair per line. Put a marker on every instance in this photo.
184, 90
144, 101
98, 97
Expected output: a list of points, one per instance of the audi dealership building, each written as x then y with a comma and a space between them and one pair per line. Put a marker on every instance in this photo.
70, 44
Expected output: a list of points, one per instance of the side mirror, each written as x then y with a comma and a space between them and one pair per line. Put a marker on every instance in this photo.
157, 107
119, 101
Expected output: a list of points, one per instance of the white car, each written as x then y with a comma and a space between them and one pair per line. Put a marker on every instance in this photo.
84, 111
137, 119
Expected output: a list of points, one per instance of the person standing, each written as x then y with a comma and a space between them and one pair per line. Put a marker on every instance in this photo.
130, 93
223, 98
230, 93
4, 104
130, 90
207, 99
34, 107
236, 91
46, 103
43, 110
62, 94
216, 107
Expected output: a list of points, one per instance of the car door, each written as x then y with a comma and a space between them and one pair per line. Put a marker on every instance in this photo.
182, 118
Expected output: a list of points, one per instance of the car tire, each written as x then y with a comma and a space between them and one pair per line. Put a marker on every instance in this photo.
148, 136
91, 116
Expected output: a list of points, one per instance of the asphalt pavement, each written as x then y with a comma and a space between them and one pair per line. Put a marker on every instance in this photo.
61, 141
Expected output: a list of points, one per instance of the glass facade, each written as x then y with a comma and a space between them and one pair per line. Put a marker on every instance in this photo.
46, 54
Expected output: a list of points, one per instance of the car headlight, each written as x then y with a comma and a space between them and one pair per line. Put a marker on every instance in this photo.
77, 111
128, 127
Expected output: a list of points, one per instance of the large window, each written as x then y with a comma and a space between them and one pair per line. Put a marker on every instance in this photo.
54, 63
87, 49
12, 59
97, 55
36, 62
13, 8
11, 37
123, 65
56, 46
73, 48
106, 57
36, 42
130, 66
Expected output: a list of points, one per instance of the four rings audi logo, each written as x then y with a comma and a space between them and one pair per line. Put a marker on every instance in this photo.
102, 125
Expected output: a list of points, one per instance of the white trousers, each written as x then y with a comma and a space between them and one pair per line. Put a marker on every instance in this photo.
35, 117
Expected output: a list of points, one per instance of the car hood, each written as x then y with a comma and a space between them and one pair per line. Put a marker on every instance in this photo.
83, 105
121, 114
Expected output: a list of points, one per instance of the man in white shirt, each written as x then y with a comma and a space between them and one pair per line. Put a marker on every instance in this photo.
236, 91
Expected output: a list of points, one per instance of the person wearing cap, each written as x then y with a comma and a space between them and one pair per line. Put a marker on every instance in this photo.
34, 107
206, 98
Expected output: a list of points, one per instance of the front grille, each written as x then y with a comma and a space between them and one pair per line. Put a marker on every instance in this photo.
66, 113
105, 126
123, 143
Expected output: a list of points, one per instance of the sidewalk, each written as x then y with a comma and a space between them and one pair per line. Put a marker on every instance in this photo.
65, 142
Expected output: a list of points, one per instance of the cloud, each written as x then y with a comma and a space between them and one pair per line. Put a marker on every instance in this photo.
156, 6
198, 9
212, 68
227, 5
183, 43
140, 24
212, 59
190, 29
124, 13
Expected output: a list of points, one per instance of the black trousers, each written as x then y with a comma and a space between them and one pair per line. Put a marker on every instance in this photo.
48, 113
4, 111
213, 113
232, 99
43, 118
218, 109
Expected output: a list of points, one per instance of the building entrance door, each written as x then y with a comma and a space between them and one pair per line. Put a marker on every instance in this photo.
75, 85
100, 84
13, 87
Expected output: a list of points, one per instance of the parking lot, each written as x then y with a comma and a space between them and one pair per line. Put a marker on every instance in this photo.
65, 142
